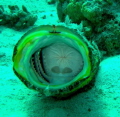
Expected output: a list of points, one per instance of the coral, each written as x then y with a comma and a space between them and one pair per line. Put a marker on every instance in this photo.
109, 38
61, 7
74, 12
16, 18
86, 28
92, 12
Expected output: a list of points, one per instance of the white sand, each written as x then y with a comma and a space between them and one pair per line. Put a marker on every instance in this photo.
103, 100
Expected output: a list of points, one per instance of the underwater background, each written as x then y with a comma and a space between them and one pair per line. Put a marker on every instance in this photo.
102, 24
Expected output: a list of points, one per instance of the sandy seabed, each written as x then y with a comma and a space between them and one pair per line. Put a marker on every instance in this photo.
103, 100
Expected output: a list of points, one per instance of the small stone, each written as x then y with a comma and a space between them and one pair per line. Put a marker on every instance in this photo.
50, 1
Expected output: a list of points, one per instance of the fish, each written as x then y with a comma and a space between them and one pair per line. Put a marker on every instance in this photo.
54, 60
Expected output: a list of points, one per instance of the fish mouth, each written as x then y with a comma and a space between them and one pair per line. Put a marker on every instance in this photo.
57, 63
53, 61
